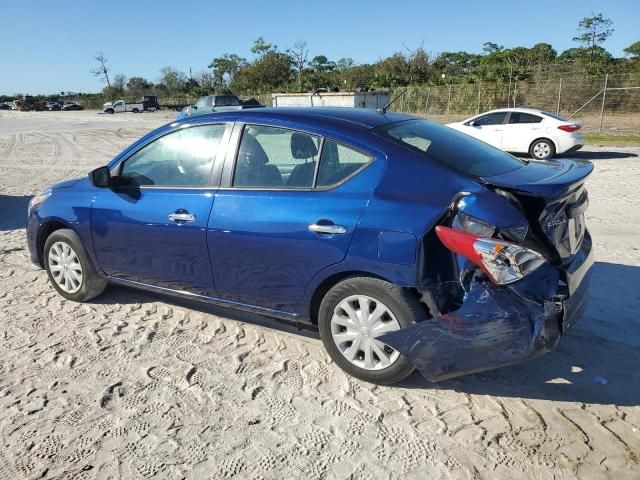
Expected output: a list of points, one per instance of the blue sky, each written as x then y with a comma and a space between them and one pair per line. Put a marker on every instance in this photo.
47, 46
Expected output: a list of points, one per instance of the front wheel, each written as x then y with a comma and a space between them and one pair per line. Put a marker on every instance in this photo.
70, 270
353, 314
542, 149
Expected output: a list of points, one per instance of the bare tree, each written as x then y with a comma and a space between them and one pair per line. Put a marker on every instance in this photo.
101, 70
299, 54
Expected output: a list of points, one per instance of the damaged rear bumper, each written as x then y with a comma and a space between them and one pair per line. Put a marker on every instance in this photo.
499, 325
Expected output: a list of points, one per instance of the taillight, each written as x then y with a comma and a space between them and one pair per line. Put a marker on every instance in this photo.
503, 262
572, 127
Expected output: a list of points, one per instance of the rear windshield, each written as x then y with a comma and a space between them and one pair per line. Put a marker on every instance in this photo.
449, 147
557, 117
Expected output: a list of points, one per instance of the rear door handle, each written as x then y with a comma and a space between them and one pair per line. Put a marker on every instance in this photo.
182, 216
329, 229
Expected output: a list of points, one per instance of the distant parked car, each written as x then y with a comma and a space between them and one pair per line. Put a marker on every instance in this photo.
72, 106
51, 106
217, 103
5, 106
523, 130
407, 243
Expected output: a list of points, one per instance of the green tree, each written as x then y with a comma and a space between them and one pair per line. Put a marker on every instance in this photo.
593, 32
138, 86
172, 81
633, 50
226, 68
270, 72
261, 47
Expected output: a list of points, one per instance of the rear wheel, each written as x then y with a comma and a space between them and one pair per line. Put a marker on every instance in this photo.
70, 270
542, 149
353, 314
135, 110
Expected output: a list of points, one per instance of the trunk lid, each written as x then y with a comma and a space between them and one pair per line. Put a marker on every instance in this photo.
553, 199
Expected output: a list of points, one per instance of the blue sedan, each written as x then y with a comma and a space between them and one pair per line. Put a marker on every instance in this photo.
408, 244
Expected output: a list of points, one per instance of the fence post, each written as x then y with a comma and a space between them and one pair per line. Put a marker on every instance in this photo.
559, 93
478, 107
426, 105
449, 99
604, 98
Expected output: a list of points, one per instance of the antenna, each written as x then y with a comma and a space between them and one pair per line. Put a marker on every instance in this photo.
383, 110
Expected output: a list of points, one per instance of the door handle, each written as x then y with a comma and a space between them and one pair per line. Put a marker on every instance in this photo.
182, 216
330, 229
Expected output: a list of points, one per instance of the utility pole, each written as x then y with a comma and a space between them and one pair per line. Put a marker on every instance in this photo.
559, 93
604, 98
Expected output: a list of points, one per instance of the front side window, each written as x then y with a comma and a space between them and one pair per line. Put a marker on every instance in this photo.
272, 157
490, 119
183, 158
521, 117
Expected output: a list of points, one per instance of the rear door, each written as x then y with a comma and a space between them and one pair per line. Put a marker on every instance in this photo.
151, 227
287, 208
521, 129
489, 128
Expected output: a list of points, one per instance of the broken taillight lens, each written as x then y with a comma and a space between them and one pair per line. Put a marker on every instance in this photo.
503, 262
572, 127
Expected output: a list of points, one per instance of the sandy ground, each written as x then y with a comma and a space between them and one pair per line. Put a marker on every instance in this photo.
136, 386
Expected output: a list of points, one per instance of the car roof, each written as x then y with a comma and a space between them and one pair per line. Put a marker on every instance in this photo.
517, 109
321, 116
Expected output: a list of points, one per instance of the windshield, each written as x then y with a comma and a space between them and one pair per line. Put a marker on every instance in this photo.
449, 147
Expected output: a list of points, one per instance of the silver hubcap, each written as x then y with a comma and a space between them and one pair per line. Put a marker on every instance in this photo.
355, 324
65, 267
541, 150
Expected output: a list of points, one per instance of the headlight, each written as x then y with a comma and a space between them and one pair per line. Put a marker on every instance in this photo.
465, 222
37, 200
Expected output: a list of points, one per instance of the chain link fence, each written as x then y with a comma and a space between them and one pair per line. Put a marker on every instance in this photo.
603, 104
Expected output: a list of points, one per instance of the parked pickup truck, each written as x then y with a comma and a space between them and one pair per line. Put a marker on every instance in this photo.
122, 106
217, 103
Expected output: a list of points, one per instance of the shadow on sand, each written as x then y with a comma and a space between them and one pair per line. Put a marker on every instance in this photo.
593, 349
598, 155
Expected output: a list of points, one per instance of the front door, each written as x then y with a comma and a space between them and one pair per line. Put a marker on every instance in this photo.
151, 227
489, 128
281, 218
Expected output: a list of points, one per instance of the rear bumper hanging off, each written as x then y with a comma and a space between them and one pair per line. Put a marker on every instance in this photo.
499, 325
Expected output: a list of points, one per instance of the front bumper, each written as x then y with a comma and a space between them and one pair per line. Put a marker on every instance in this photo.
499, 325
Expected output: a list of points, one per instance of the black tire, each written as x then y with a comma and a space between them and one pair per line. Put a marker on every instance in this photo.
542, 149
93, 283
135, 110
404, 306
110, 111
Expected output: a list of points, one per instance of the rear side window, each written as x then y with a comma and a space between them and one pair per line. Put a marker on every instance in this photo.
521, 117
181, 158
338, 162
272, 157
451, 148
491, 119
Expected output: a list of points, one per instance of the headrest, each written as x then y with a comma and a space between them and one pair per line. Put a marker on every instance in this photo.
252, 152
303, 146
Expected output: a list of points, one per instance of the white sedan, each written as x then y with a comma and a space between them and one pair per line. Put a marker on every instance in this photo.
524, 130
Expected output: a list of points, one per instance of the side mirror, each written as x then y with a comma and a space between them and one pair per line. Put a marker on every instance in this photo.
101, 177
471, 123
